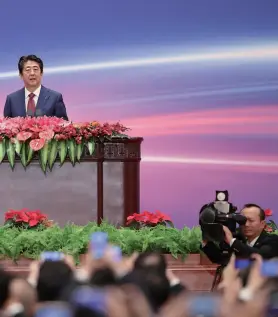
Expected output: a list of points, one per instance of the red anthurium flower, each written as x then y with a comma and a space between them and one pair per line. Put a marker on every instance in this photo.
37, 144
23, 136
46, 135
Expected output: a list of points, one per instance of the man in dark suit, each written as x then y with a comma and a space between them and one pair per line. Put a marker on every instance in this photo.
256, 239
34, 99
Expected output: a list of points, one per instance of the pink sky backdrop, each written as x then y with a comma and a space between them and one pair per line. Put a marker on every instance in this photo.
207, 125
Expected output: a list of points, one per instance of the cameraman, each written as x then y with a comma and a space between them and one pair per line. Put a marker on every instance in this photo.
256, 240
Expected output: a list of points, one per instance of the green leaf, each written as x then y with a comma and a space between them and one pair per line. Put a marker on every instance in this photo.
9, 223
23, 155
18, 146
91, 147
62, 151
79, 151
52, 153
11, 153
273, 224
44, 156
170, 223
72, 150
2, 150
120, 135
29, 154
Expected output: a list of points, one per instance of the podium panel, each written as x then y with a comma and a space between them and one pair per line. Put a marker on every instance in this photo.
102, 186
113, 192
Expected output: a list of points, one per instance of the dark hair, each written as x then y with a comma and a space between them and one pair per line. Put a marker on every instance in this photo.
54, 278
25, 59
151, 260
153, 285
261, 211
5, 281
159, 288
102, 277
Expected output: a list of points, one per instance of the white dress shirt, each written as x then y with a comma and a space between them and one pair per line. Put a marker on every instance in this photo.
36, 93
250, 244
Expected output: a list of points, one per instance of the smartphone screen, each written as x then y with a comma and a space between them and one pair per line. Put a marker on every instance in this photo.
242, 264
205, 305
270, 268
94, 299
54, 311
52, 256
99, 242
116, 253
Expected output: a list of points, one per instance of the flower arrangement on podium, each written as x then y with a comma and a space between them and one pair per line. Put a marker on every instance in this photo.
270, 225
148, 219
52, 137
27, 219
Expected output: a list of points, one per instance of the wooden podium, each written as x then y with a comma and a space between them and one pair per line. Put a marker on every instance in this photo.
105, 185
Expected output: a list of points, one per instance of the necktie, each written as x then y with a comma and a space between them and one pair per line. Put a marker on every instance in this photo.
31, 107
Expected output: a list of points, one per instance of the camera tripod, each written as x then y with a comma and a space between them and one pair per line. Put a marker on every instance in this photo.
217, 277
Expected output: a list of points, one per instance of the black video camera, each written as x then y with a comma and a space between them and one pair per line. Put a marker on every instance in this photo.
215, 215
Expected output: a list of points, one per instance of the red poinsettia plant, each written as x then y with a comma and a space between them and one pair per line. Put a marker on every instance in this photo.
148, 219
27, 219
270, 224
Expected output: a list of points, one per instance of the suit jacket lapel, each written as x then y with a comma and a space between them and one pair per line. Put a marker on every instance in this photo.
21, 102
43, 97
259, 241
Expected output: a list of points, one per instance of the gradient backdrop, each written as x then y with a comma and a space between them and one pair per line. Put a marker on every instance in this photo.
197, 79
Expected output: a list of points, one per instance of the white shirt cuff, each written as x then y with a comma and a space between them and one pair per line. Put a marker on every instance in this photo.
32, 281
245, 294
14, 309
232, 241
82, 276
174, 282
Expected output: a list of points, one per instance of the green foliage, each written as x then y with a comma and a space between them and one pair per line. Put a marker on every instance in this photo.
52, 153
44, 156
91, 146
62, 149
73, 239
2, 150
72, 150
11, 153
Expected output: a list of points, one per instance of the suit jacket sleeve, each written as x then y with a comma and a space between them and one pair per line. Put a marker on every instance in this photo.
213, 252
60, 108
7, 108
267, 250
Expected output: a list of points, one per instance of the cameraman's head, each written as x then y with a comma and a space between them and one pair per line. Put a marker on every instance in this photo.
255, 223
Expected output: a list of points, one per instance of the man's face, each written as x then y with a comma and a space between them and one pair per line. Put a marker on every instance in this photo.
31, 74
254, 225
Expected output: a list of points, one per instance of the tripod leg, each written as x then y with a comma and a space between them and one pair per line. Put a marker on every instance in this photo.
217, 278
